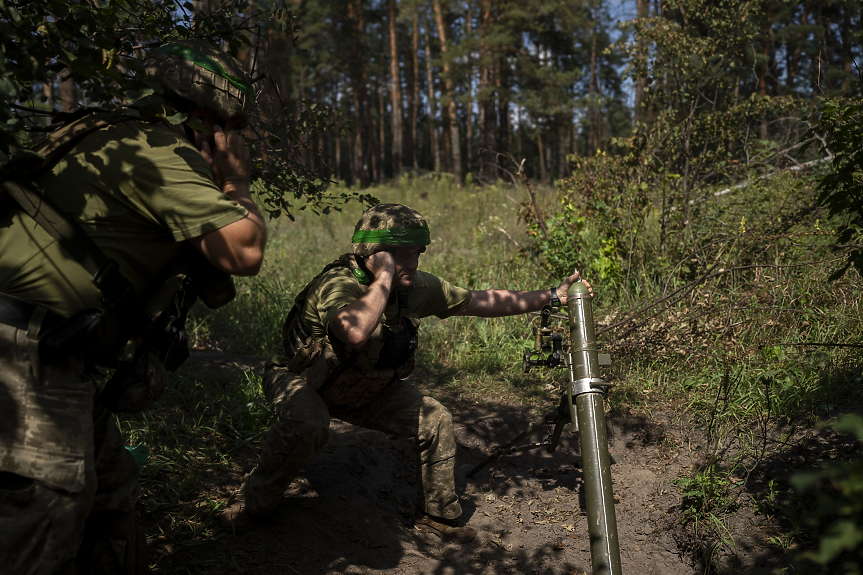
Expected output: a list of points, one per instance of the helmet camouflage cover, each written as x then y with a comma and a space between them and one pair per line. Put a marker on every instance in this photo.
204, 75
389, 226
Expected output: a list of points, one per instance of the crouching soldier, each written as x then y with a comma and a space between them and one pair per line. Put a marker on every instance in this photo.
348, 344
89, 235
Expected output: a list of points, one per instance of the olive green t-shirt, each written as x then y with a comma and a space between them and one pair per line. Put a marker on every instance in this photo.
429, 295
137, 190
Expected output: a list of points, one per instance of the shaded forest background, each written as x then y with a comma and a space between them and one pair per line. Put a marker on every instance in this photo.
447, 86
444, 86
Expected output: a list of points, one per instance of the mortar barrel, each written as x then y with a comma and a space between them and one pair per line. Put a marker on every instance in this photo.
590, 412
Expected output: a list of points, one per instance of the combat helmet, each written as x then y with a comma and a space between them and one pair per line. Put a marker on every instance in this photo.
389, 226
201, 73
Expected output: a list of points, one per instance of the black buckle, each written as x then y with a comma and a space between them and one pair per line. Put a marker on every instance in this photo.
106, 274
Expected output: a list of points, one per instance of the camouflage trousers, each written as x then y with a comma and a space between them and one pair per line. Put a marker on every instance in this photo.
301, 429
67, 484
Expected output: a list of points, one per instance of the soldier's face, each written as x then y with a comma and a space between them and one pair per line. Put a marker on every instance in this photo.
406, 261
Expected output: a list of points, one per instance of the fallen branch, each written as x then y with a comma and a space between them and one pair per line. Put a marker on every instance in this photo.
684, 290
769, 175
812, 344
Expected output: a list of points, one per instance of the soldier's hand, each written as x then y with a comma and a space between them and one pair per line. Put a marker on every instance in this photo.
229, 160
563, 288
381, 262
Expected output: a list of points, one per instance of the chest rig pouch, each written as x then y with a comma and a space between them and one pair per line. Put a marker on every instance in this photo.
350, 378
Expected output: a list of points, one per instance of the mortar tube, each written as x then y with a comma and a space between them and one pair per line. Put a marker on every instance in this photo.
590, 413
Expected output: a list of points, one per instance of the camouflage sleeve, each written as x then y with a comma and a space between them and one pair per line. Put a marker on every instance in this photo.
336, 289
438, 297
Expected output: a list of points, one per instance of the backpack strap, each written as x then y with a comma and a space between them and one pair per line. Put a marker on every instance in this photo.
118, 294
58, 142
16, 182
293, 323
404, 308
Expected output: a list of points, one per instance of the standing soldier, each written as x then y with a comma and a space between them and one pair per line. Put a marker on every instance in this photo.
348, 344
86, 242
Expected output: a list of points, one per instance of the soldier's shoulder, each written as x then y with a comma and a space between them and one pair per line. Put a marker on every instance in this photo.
155, 136
426, 280
340, 276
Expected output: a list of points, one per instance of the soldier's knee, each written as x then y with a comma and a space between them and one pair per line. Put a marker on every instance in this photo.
313, 431
436, 419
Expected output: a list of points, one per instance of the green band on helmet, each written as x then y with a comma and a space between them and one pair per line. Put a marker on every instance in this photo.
207, 63
393, 236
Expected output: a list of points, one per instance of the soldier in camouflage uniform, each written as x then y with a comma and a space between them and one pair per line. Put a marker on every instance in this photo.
139, 190
348, 344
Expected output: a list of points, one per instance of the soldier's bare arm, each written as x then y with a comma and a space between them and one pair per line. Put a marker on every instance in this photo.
238, 248
500, 303
355, 323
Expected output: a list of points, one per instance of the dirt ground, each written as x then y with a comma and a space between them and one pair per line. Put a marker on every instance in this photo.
351, 510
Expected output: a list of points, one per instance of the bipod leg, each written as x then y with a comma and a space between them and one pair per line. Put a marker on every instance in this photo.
555, 436
552, 417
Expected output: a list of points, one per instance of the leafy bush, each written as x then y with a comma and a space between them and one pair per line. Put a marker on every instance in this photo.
842, 187
836, 517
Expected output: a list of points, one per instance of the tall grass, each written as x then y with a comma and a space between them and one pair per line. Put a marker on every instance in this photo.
759, 345
475, 244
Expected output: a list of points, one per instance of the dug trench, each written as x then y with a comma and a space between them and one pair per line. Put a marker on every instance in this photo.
351, 510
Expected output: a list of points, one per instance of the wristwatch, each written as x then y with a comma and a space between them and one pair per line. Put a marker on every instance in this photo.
555, 301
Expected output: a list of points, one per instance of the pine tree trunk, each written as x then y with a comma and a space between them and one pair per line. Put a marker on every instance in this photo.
794, 65
68, 92
48, 92
381, 125
592, 135
338, 166
846, 54
447, 140
487, 121
468, 33
414, 89
561, 146
435, 146
765, 67
395, 90
504, 130
543, 176
361, 156
449, 83
642, 11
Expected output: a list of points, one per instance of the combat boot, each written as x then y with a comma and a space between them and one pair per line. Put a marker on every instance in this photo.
235, 518
446, 529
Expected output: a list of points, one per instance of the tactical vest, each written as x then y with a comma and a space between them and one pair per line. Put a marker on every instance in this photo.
348, 378
134, 328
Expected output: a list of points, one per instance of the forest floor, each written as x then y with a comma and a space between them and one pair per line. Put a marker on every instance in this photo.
351, 510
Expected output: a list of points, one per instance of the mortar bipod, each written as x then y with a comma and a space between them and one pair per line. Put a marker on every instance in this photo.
558, 417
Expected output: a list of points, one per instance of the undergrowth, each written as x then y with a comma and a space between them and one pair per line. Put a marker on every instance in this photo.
734, 325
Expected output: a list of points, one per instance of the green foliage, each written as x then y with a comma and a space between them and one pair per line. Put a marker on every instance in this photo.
706, 494
836, 517
96, 45
467, 249
99, 48
590, 230
842, 187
